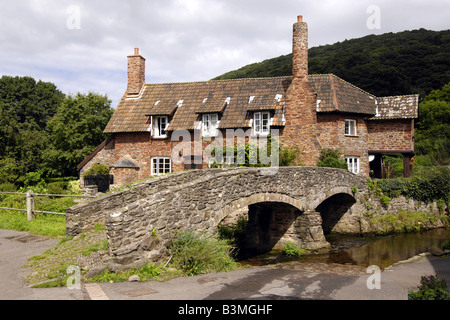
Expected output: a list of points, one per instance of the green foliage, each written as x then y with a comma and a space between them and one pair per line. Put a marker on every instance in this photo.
430, 288
291, 249
97, 169
196, 255
234, 234
426, 184
389, 64
44, 132
403, 221
251, 155
76, 130
146, 273
433, 134
332, 158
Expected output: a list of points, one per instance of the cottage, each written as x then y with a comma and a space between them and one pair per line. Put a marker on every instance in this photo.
311, 112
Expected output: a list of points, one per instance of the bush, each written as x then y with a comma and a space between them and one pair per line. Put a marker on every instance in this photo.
426, 184
97, 169
196, 255
332, 159
55, 188
430, 288
74, 187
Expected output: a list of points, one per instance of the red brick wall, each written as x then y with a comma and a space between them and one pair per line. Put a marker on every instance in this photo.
331, 130
389, 135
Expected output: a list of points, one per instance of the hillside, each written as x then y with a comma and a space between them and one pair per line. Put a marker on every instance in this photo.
389, 64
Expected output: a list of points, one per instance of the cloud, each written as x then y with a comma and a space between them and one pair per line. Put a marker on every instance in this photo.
82, 45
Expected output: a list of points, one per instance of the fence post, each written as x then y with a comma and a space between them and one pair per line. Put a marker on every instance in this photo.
30, 205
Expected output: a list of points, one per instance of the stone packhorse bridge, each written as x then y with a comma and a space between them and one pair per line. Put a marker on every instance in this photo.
297, 204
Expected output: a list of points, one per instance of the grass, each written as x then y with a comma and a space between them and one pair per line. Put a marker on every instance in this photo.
49, 268
194, 254
49, 225
146, 273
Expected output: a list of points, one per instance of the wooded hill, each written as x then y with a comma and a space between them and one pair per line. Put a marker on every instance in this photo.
407, 62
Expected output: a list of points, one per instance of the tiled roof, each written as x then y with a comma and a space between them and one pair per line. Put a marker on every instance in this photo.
337, 95
186, 101
236, 99
398, 107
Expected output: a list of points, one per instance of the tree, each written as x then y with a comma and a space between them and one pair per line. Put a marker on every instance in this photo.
433, 134
75, 131
25, 108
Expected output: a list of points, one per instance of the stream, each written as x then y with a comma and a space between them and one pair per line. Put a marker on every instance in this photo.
382, 251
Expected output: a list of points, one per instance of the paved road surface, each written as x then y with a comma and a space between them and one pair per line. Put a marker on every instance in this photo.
260, 283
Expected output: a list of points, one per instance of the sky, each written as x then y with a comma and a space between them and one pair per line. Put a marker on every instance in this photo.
82, 46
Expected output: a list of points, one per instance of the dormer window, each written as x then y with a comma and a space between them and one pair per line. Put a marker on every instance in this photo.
261, 122
160, 125
210, 124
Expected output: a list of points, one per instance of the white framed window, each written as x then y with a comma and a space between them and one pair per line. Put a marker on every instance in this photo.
161, 165
261, 122
353, 164
210, 123
160, 125
350, 127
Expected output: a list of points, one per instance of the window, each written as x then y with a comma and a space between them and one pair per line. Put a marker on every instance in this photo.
210, 123
160, 125
350, 127
353, 164
262, 122
161, 166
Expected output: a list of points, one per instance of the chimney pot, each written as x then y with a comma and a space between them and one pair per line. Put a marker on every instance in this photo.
300, 18
136, 51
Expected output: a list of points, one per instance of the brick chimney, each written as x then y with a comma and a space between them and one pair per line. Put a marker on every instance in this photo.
300, 49
136, 73
301, 102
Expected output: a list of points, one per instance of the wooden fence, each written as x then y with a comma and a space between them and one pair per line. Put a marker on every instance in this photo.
30, 202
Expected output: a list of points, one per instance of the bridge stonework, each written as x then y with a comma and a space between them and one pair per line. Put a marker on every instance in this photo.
289, 205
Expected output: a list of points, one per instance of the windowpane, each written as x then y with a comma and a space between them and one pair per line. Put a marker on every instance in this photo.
161, 166
350, 127
262, 120
353, 164
210, 124
160, 126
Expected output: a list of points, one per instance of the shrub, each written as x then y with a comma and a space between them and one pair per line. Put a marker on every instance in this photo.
234, 234
97, 169
426, 184
74, 187
290, 249
332, 159
196, 255
430, 288
55, 188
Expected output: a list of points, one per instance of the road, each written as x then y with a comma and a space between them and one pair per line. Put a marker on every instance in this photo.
255, 283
